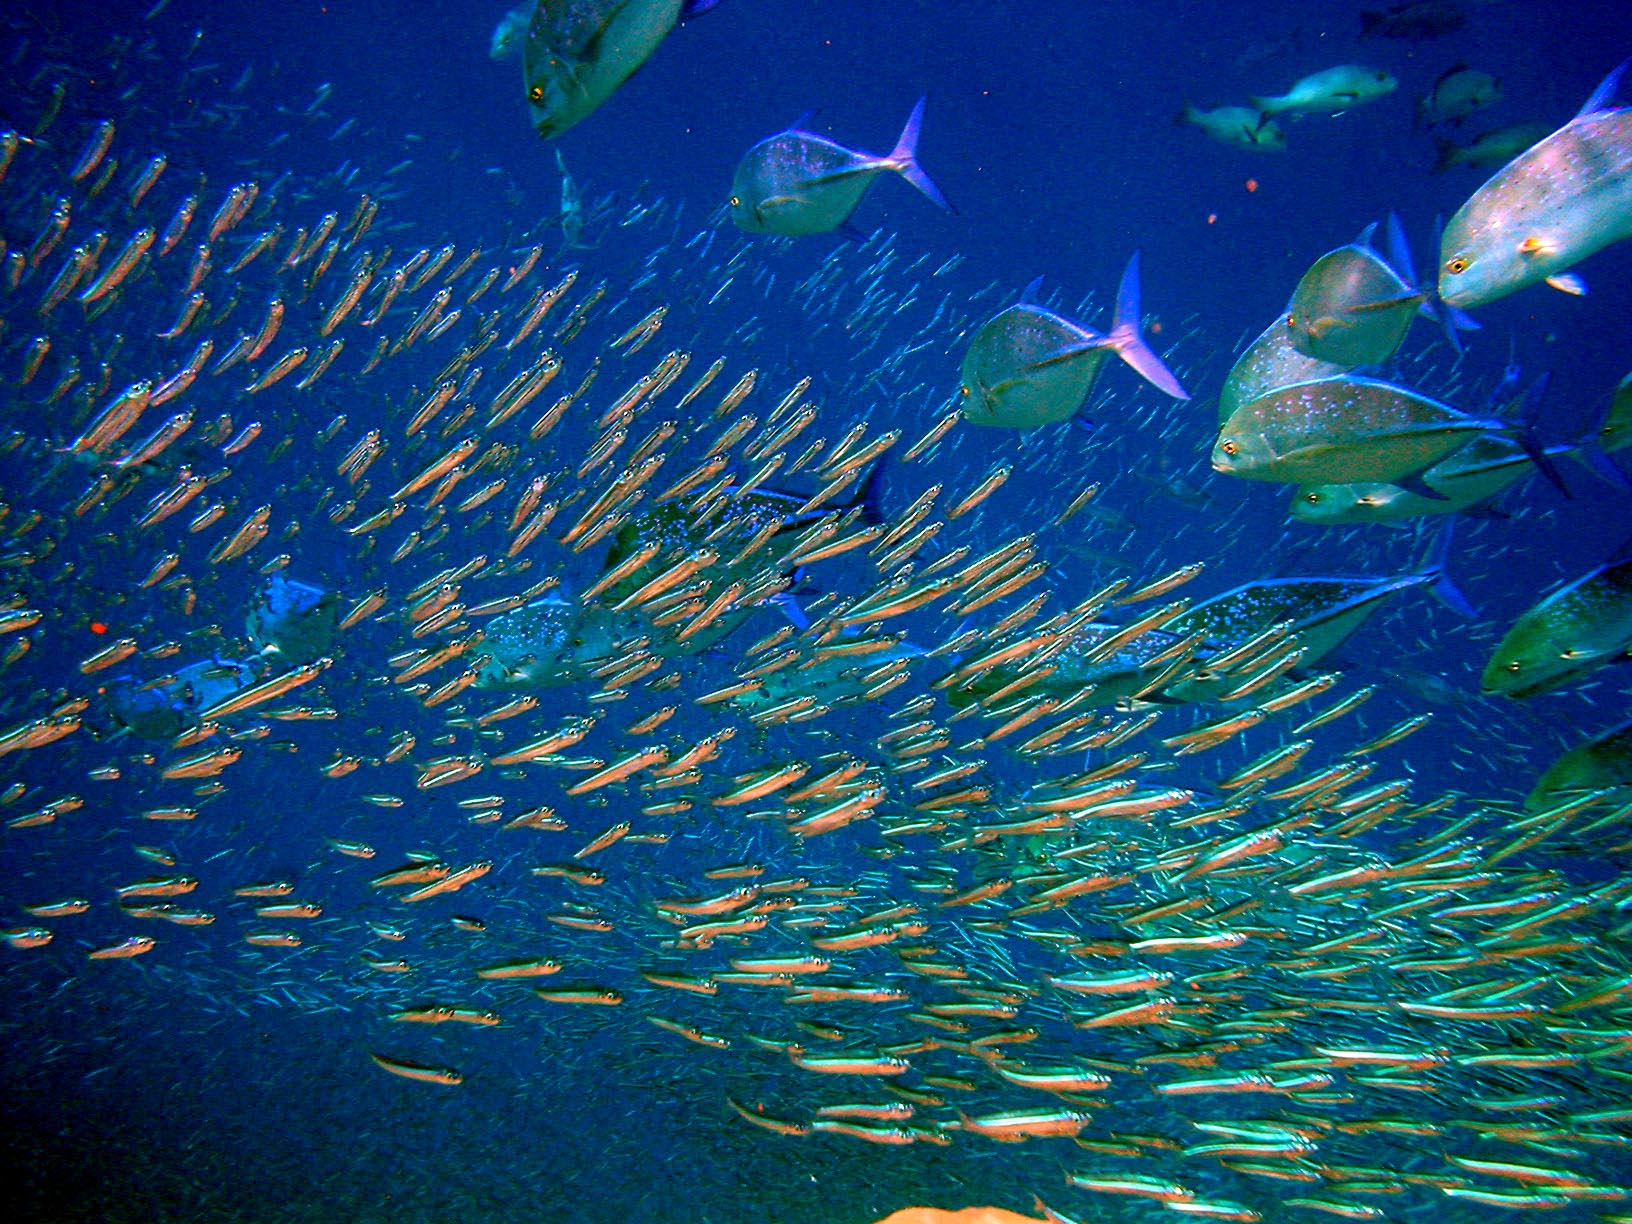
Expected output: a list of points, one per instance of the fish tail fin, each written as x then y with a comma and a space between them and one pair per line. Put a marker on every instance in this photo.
1525, 436
1435, 569
904, 158
1130, 344
1399, 251
1448, 317
1594, 458
869, 498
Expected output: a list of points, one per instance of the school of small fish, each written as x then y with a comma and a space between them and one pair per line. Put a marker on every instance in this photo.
699, 703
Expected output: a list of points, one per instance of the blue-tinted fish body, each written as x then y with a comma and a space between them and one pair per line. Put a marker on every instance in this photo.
1269, 362
1558, 202
294, 622
1351, 307
1578, 627
1028, 366
1601, 763
1467, 478
577, 52
797, 183
1329, 92
1340, 430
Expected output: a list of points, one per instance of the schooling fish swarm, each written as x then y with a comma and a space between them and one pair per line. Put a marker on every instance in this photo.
917, 892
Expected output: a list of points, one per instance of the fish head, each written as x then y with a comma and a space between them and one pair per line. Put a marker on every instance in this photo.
1494, 246
577, 52
1334, 503
1241, 448
1529, 660
509, 34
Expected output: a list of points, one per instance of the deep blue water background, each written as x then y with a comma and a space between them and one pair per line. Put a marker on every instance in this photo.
1050, 127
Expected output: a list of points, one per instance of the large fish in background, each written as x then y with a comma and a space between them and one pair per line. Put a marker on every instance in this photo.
1544, 212
578, 52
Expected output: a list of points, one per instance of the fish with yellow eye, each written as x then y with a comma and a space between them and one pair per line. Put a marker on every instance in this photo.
1580, 626
1564, 198
577, 52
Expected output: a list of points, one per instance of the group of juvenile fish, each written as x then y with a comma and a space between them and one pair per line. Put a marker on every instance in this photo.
1223, 985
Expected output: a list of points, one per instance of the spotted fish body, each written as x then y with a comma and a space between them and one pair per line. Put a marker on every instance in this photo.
1339, 430
1320, 612
1564, 198
1269, 362
798, 183
1579, 627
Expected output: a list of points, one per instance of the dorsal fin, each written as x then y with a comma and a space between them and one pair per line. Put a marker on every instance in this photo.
1604, 95
1399, 251
1031, 295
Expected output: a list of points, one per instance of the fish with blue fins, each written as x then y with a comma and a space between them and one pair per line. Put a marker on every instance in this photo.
1028, 366
1602, 763
1566, 197
797, 183
1344, 429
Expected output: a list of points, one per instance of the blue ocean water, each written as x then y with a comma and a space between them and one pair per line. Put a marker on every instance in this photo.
212, 1079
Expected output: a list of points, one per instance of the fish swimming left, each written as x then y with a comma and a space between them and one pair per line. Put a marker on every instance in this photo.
1578, 627
1028, 366
1342, 429
1559, 201
578, 52
797, 183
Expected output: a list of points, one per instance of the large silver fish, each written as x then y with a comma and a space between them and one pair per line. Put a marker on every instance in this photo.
1469, 478
797, 182
1601, 763
1269, 362
1339, 430
1352, 307
1564, 198
578, 52
1028, 366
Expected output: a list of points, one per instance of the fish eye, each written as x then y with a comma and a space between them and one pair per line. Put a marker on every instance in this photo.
535, 94
1312, 498
1228, 448
1456, 265
1291, 321
736, 201
1513, 666
964, 391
